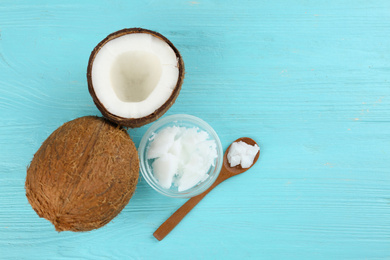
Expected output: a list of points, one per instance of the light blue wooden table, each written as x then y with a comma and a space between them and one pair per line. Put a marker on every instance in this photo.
309, 80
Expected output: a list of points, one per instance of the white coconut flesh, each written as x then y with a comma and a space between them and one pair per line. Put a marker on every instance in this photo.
133, 75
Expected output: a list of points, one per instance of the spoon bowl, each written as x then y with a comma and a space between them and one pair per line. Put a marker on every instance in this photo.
226, 173
238, 169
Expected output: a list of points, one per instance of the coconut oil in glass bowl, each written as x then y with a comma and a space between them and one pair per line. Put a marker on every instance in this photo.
180, 156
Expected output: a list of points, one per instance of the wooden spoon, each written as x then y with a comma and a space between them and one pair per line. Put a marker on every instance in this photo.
226, 173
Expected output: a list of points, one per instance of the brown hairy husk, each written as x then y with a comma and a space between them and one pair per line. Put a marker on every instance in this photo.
83, 175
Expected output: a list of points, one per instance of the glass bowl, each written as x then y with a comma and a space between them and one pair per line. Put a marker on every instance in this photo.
180, 120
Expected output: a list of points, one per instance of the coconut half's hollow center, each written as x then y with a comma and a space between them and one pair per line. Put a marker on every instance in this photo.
134, 75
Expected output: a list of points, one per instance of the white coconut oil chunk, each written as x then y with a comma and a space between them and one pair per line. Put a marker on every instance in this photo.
241, 153
181, 156
134, 74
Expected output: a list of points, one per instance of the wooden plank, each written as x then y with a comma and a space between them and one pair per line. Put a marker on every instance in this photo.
308, 80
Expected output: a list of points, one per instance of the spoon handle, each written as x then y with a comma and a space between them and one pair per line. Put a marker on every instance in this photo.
176, 217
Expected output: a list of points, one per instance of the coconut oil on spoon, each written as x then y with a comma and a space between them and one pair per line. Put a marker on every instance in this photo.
226, 172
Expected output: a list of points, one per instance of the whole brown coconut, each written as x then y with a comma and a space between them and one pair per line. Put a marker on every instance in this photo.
83, 175
134, 76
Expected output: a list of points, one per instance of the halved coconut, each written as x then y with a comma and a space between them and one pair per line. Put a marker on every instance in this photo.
134, 76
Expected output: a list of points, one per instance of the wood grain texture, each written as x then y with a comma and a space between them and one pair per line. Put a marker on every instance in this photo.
308, 80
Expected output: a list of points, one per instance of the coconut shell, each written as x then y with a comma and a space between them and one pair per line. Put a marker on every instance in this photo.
83, 175
135, 122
